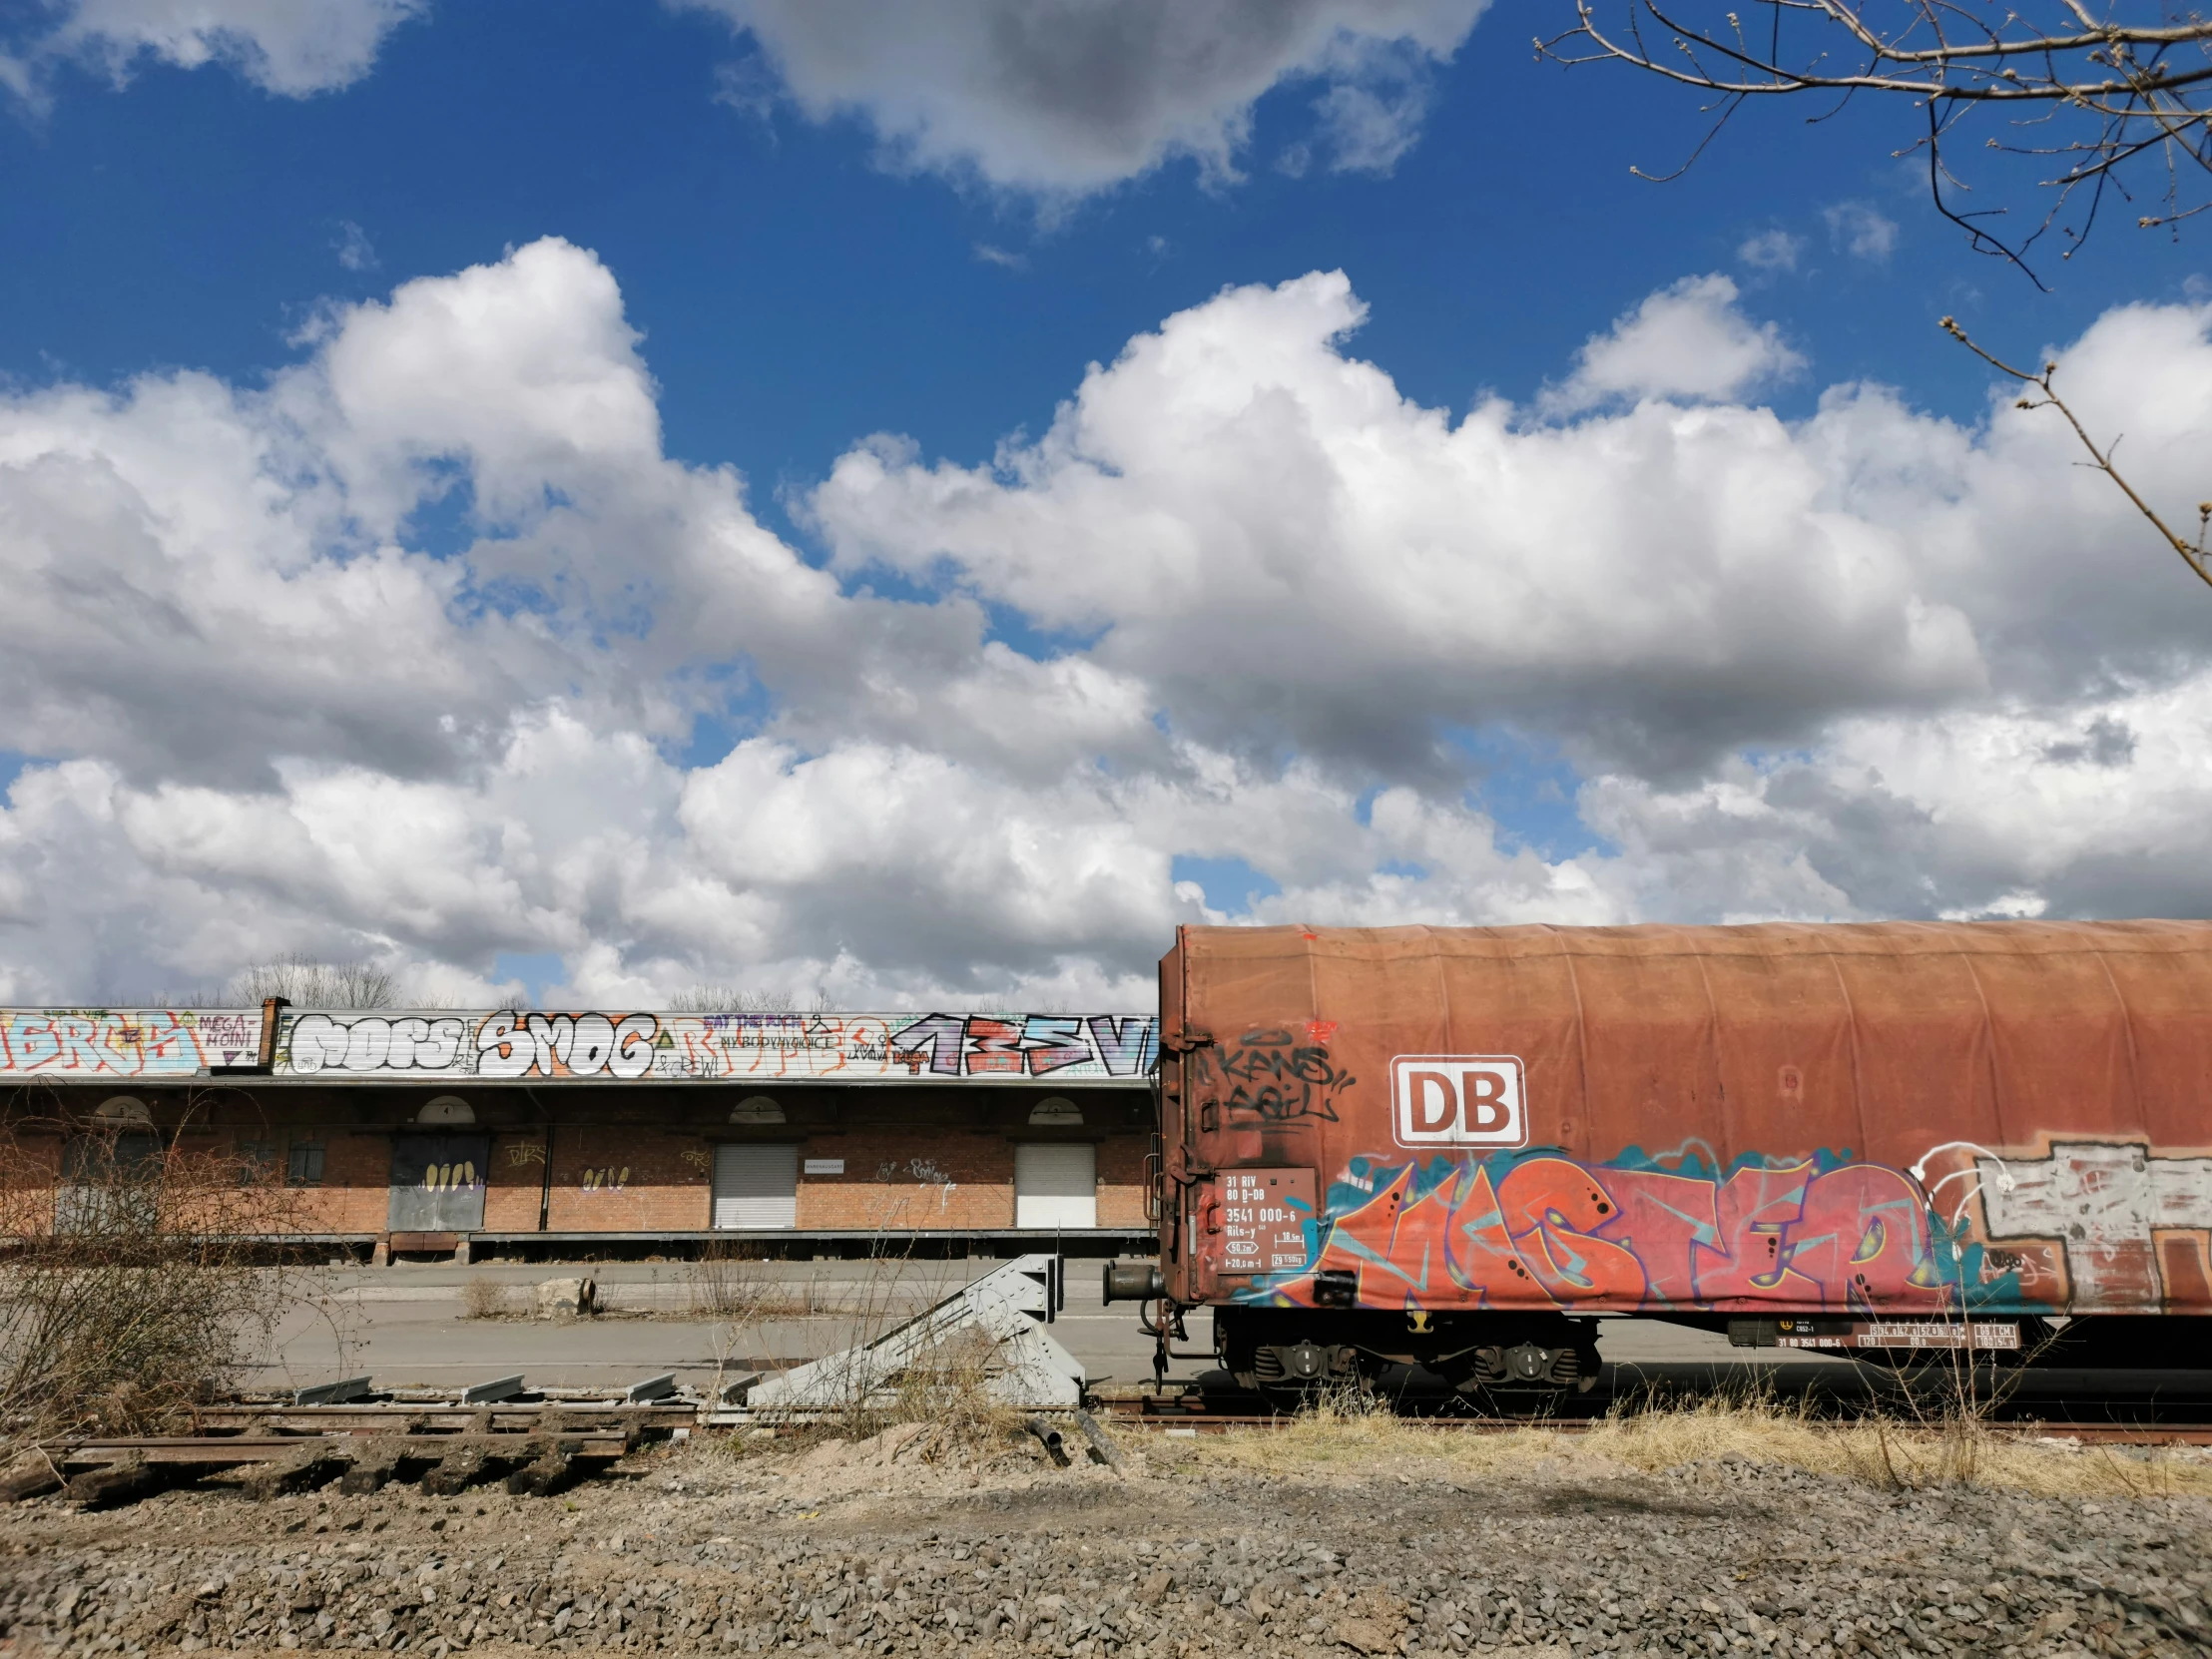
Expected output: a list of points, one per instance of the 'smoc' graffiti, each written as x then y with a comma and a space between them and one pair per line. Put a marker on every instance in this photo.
126, 1042
566, 1046
619, 1046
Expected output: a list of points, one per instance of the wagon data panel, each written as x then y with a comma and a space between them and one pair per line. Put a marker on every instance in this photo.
1261, 1216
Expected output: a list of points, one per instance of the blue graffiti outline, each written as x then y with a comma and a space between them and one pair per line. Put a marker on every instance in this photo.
1957, 1259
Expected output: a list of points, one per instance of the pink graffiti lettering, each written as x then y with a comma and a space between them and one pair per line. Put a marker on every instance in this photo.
1554, 1232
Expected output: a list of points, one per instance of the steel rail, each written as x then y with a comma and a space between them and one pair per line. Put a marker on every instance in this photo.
1215, 1422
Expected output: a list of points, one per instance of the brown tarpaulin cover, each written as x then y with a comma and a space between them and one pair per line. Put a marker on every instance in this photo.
1871, 1044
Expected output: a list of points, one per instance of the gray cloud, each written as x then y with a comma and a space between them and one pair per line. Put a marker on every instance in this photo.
1071, 96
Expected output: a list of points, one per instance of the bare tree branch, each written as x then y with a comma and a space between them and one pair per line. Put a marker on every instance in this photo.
2109, 91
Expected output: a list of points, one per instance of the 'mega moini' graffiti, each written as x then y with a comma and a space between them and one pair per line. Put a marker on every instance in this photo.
91, 1044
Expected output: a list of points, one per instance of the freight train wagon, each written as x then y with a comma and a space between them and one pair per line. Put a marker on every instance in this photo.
1457, 1146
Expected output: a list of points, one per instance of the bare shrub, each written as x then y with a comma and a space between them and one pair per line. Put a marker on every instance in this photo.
948, 1385
133, 1270
300, 981
731, 1280
310, 984
483, 1298
706, 998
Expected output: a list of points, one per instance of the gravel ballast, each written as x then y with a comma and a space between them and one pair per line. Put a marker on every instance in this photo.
872, 1548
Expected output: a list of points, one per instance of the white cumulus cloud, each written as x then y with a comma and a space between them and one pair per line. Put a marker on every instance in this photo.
1689, 341
1867, 663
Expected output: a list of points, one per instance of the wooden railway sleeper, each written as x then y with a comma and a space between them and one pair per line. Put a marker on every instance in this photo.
125, 1480
552, 1462
310, 1465
375, 1462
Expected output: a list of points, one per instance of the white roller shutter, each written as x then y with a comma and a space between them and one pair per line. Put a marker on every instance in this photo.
1056, 1186
756, 1186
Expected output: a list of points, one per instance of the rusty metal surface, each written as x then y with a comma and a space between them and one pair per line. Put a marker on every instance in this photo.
1912, 1119
409, 1419
232, 1449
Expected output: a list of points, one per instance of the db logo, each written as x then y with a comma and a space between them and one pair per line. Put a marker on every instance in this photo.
1458, 1100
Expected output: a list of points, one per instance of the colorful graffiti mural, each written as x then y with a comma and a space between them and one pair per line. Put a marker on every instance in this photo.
2088, 1226
623, 1046
628, 1046
95, 1043
1544, 1231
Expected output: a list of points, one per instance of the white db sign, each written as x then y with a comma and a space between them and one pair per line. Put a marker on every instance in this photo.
1458, 1100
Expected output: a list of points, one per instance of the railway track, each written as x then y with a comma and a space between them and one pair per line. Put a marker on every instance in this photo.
1172, 1420
2105, 1407
534, 1447
541, 1445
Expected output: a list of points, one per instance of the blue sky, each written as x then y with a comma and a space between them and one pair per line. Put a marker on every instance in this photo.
796, 284
795, 293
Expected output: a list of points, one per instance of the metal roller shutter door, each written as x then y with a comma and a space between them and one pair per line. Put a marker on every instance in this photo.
757, 1186
1056, 1186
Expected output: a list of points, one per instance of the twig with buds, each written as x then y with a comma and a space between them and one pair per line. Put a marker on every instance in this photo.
2193, 554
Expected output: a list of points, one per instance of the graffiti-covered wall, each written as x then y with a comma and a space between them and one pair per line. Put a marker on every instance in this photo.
93, 1043
615, 1046
610, 1045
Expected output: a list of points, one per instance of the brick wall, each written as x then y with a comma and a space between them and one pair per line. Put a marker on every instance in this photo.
626, 1178
1121, 1183
944, 1164
516, 1181
356, 1194
897, 1178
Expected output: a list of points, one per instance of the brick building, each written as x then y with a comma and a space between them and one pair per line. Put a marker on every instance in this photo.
516, 1132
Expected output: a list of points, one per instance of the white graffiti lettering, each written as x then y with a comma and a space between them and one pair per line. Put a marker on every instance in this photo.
515, 1044
372, 1043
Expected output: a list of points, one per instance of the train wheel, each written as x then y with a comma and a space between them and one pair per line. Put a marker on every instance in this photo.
1292, 1376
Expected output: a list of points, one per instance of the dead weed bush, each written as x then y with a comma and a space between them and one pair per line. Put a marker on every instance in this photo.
484, 1297
135, 1273
736, 1281
947, 1390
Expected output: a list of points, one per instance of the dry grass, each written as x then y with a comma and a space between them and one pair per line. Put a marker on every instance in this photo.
1348, 1434
951, 1391
483, 1298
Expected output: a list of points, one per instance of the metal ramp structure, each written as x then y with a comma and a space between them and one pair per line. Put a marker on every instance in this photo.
1010, 1304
